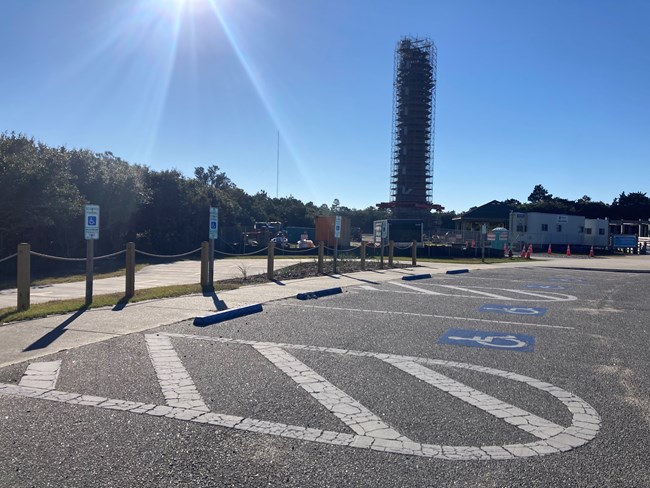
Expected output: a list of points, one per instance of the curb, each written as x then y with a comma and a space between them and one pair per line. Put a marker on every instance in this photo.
319, 293
416, 277
227, 315
457, 271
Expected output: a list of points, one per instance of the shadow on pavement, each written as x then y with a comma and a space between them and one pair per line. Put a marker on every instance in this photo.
219, 304
361, 279
55, 333
120, 304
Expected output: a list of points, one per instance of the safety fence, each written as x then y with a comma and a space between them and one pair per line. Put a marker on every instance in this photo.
24, 254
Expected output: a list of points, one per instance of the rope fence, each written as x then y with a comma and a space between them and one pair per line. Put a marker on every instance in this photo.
9, 257
152, 255
206, 265
297, 251
254, 253
110, 255
352, 249
55, 258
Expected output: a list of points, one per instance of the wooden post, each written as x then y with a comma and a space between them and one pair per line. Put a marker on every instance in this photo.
391, 250
321, 252
205, 264
269, 265
130, 270
414, 253
362, 253
211, 264
23, 276
90, 258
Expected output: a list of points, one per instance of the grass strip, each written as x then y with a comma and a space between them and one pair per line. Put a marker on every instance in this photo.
57, 307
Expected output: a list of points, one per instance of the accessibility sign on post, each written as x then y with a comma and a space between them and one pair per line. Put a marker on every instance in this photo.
214, 223
91, 219
489, 340
337, 227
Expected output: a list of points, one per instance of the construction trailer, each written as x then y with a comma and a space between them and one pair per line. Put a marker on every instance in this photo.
542, 229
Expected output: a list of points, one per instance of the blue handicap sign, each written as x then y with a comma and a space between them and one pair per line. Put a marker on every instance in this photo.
512, 310
546, 287
92, 220
488, 340
213, 225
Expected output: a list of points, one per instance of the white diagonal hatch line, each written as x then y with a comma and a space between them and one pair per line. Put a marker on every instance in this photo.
415, 288
176, 384
537, 426
347, 409
470, 290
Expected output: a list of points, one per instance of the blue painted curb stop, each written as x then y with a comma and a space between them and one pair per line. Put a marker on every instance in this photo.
416, 277
319, 293
457, 271
227, 315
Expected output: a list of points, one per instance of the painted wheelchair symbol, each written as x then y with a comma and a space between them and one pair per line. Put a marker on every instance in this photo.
513, 310
511, 342
546, 287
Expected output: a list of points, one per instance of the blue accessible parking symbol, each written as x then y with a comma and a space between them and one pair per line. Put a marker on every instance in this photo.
489, 340
509, 309
546, 287
92, 220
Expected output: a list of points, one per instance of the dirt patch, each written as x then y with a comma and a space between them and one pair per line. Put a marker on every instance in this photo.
310, 269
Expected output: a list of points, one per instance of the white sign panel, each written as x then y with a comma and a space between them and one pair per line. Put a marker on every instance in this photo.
337, 227
91, 219
214, 222
377, 233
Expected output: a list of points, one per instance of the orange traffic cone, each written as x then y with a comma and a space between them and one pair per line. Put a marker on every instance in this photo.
549, 249
591, 252
568, 250
523, 251
505, 250
530, 251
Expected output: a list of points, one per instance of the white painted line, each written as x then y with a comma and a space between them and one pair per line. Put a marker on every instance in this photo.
41, 375
347, 409
547, 296
541, 297
553, 438
175, 382
470, 290
413, 314
415, 288
537, 426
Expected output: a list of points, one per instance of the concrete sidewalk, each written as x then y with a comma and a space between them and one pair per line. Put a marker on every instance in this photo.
27, 340
177, 273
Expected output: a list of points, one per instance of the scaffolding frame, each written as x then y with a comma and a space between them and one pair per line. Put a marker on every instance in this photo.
414, 103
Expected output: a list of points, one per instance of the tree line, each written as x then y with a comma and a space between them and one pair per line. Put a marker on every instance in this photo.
43, 191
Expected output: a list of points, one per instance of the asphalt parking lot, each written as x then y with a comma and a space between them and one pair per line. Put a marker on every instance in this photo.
508, 377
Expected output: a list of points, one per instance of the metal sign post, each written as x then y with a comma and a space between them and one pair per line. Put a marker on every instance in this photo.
337, 236
483, 232
212, 234
91, 233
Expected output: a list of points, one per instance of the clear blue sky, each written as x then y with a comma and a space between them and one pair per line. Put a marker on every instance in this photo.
555, 92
